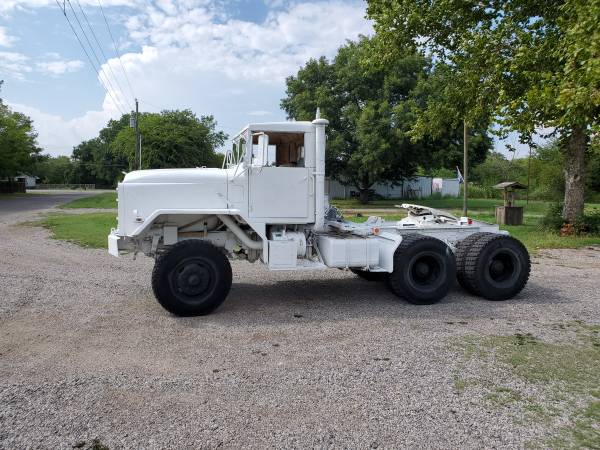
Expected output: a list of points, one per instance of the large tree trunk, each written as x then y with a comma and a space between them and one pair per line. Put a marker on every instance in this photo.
364, 190
574, 174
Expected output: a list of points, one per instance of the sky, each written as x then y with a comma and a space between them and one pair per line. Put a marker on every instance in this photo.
227, 58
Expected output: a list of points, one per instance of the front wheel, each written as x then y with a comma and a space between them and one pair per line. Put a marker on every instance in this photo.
424, 269
192, 278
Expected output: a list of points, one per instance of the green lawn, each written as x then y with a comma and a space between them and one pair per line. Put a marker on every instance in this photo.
88, 230
107, 200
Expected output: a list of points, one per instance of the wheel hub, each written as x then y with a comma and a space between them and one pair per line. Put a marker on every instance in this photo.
502, 267
422, 269
497, 268
192, 280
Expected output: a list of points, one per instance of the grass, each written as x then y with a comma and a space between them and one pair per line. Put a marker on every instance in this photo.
483, 209
564, 374
86, 230
108, 200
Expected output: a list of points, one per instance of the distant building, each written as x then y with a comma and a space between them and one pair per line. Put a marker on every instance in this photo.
30, 180
416, 187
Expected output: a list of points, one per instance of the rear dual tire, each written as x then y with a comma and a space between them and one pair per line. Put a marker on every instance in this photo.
493, 266
424, 270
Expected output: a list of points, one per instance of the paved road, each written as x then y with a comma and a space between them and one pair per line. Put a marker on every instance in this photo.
35, 202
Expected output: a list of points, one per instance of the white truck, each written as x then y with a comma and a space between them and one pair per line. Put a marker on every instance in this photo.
268, 203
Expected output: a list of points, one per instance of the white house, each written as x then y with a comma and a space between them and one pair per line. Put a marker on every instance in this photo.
30, 180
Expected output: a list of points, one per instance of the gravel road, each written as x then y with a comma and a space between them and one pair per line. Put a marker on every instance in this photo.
314, 359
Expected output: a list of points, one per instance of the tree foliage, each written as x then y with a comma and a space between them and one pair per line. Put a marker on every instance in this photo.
169, 139
18, 142
55, 170
371, 110
527, 63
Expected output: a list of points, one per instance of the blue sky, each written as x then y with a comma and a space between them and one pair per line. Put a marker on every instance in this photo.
228, 58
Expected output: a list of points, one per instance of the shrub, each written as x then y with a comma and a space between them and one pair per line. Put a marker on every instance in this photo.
587, 223
552, 220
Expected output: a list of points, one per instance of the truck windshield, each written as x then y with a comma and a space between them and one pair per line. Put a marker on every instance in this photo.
235, 154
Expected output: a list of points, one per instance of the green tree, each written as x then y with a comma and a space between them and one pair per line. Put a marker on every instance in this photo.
169, 139
95, 163
55, 170
371, 110
529, 63
18, 142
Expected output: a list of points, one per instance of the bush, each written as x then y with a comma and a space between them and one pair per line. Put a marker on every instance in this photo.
552, 220
587, 223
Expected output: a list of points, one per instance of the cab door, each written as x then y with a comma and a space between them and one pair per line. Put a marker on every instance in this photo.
279, 192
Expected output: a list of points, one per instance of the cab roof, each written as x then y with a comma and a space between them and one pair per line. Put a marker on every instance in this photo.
281, 127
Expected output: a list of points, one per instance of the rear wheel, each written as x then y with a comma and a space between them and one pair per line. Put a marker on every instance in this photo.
497, 267
424, 269
192, 278
370, 276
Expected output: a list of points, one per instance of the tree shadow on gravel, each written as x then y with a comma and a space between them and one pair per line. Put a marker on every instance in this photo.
292, 301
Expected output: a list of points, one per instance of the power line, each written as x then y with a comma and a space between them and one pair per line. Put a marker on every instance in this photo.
116, 50
93, 52
63, 10
103, 55
161, 108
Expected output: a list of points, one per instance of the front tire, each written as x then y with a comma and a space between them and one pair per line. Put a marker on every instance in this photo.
424, 270
192, 278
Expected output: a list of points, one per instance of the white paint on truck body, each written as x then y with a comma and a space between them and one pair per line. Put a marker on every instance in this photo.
249, 206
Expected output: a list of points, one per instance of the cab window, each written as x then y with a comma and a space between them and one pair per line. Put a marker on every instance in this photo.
278, 149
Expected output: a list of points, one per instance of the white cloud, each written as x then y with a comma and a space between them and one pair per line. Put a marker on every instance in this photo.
269, 51
9, 6
58, 135
59, 67
14, 64
5, 39
194, 56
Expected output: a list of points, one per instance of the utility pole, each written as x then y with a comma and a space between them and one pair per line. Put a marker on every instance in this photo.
138, 147
531, 145
465, 165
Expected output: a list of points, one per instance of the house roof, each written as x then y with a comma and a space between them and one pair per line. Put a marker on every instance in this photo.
510, 185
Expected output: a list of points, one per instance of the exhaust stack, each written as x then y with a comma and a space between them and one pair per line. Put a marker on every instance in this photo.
320, 125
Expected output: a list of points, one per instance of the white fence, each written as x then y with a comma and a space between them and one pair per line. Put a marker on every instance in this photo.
65, 186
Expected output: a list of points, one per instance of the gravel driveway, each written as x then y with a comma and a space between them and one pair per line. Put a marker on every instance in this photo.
314, 359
